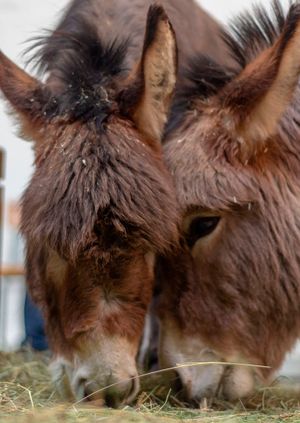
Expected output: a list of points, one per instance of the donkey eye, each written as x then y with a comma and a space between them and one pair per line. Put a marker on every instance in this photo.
201, 227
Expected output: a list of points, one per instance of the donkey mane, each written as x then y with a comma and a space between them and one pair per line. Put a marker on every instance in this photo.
253, 31
84, 68
247, 36
83, 50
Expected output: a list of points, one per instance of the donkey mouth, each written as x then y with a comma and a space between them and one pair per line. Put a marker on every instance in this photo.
115, 397
112, 396
91, 392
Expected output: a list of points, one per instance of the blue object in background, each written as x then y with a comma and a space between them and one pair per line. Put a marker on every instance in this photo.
34, 326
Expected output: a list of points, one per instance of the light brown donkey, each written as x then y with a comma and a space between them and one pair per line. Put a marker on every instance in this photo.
232, 291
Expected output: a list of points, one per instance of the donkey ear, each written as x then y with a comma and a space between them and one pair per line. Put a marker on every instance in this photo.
150, 93
25, 94
259, 96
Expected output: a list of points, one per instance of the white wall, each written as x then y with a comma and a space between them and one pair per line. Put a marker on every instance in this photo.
224, 10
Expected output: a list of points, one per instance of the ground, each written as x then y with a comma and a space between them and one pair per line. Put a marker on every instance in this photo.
27, 396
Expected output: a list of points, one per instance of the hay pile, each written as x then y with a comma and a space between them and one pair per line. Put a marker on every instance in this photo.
25, 382
27, 396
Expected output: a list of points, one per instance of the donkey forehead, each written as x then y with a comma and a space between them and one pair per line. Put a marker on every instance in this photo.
205, 180
86, 177
75, 149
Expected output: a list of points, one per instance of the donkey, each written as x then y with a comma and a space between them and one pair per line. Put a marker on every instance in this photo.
231, 292
100, 203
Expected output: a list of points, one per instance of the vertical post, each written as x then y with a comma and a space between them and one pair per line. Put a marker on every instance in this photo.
1, 200
2, 306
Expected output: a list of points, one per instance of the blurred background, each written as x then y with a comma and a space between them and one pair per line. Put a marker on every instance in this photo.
20, 20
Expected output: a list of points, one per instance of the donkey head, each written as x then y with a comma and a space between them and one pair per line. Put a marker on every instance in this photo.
100, 203
234, 155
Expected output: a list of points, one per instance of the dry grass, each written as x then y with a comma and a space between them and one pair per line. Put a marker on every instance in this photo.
27, 396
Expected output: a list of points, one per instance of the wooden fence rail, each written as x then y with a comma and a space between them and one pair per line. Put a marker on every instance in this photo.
12, 270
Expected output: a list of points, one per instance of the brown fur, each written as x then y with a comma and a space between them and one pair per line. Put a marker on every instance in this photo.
100, 200
238, 289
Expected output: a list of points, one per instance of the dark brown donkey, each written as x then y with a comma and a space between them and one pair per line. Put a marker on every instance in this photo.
100, 203
232, 292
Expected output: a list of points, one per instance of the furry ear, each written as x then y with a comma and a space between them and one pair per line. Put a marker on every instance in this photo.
259, 96
25, 94
148, 97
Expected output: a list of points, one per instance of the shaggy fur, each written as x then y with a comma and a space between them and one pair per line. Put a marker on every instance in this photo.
99, 191
240, 292
100, 204
103, 197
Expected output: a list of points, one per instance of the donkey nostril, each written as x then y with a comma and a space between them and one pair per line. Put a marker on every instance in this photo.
132, 388
111, 399
88, 393
93, 392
